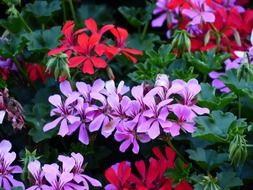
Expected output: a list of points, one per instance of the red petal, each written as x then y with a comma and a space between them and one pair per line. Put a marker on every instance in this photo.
133, 51
56, 51
120, 34
98, 62
112, 177
83, 41
100, 49
88, 67
171, 155
140, 165
67, 29
94, 40
174, 3
105, 28
91, 25
75, 61
152, 171
133, 59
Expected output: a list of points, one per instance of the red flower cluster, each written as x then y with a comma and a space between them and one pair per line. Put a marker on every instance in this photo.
121, 176
220, 24
86, 47
230, 31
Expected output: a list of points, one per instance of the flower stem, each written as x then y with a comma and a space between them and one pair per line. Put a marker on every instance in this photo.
64, 10
72, 10
176, 151
239, 107
145, 29
24, 22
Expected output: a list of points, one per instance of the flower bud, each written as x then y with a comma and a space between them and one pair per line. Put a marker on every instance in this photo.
181, 41
58, 65
238, 149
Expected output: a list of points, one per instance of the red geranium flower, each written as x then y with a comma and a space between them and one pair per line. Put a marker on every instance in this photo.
88, 53
35, 72
92, 26
121, 36
118, 176
67, 43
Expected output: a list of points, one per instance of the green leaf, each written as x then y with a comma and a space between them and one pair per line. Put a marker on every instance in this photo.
228, 179
206, 62
207, 159
12, 24
215, 127
37, 116
98, 12
136, 16
179, 173
42, 8
147, 43
43, 40
240, 87
208, 98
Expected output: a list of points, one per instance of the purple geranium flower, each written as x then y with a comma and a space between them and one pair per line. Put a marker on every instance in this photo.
110, 88
188, 94
156, 116
199, 12
85, 89
35, 170
100, 114
81, 108
7, 180
58, 180
128, 135
64, 111
184, 120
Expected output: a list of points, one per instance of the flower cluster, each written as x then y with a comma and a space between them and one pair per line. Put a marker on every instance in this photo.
7, 180
13, 109
222, 24
87, 48
68, 176
121, 175
142, 118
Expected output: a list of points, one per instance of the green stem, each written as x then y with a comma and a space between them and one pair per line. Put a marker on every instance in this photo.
64, 10
176, 151
145, 29
239, 107
72, 10
24, 22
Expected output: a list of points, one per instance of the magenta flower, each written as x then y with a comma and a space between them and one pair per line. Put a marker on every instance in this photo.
164, 14
164, 88
156, 116
100, 115
58, 180
64, 111
111, 88
78, 170
83, 136
35, 170
85, 89
189, 93
7, 180
118, 112
184, 120
127, 134
199, 12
